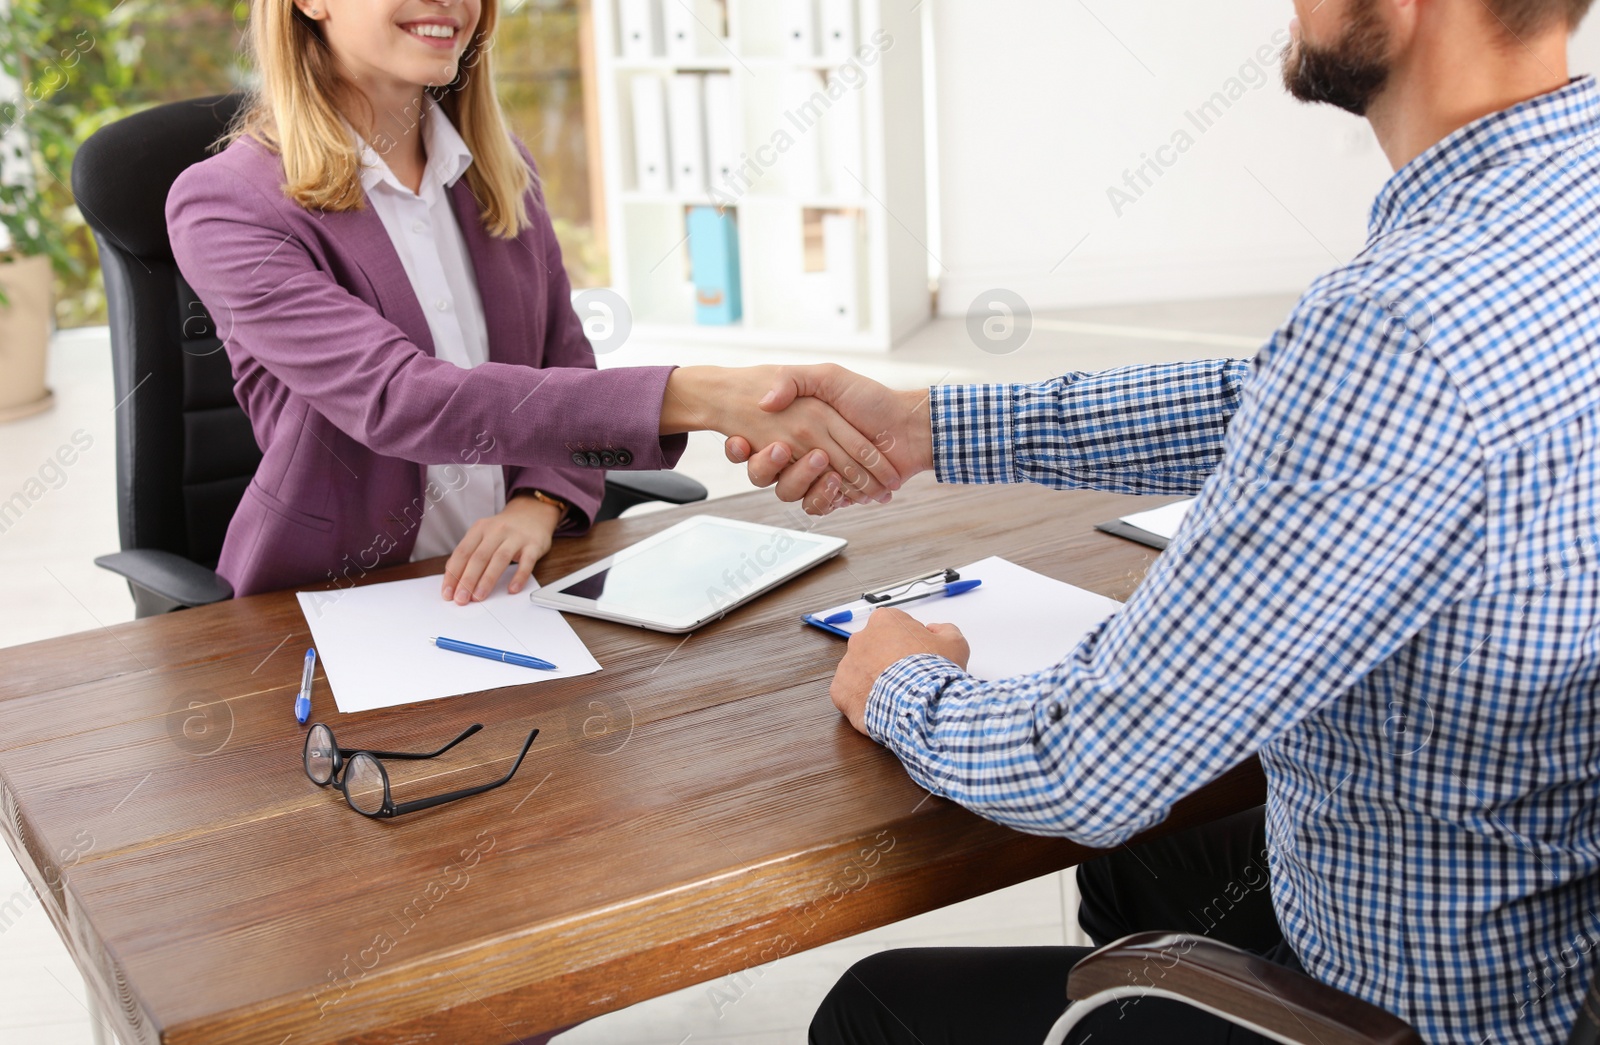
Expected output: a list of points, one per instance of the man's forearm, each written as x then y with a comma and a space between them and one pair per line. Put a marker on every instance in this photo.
916, 428
1149, 429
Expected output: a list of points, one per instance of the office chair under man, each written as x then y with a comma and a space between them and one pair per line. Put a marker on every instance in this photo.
1276, 1002
185, 451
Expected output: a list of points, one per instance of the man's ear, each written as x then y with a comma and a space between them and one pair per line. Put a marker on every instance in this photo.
1403, 17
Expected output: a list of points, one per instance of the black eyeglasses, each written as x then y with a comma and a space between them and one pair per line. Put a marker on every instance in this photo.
364, 781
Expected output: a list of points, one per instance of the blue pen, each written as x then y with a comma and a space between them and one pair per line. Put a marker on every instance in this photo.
521, 660
948, 591
302, 703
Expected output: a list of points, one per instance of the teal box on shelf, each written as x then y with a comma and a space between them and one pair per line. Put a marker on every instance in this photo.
714, 259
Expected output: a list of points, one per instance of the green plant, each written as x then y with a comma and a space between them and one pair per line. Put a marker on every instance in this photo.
70, 64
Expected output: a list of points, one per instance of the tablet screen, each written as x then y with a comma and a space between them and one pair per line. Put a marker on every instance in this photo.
695, 570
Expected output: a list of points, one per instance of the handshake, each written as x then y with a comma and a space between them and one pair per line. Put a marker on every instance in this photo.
823, 435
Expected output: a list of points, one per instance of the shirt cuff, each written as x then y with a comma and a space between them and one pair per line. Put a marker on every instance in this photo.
973, 439
897, 707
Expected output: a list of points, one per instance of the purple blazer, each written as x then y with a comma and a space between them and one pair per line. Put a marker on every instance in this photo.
333, 363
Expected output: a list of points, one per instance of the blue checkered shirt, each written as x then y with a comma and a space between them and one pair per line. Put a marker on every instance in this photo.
1388, 589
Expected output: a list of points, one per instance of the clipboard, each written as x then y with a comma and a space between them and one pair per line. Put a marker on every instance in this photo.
863, 605
1126, 530
1018, 621
1155, 528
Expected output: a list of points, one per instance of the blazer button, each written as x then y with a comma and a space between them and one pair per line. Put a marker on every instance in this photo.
1055, 712
593, 459
624, 458
579, 460
608, 458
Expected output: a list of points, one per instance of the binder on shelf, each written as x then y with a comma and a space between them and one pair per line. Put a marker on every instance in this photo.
714, 258
686, 128
846, 161
802, 165
722, 135
651, 158
689, 26
837, 30
800, 29
640, 22
841, 252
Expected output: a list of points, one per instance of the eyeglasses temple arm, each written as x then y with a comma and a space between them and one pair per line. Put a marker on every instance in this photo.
347, 752
429, 803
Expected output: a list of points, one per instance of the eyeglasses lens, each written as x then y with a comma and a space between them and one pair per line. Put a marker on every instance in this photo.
320, 754
364, 783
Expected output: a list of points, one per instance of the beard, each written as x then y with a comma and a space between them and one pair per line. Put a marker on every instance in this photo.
1347, 75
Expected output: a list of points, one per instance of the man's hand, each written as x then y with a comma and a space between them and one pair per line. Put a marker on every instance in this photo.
890, 634
521, 532
898, 424
730, 401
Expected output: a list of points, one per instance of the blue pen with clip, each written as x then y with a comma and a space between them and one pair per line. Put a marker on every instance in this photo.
521, 660
302, 703
950, 590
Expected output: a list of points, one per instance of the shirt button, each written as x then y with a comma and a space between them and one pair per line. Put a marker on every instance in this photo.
1055, 712
441, 304
418, 226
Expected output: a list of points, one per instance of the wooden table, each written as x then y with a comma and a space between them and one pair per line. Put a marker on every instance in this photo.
696, 808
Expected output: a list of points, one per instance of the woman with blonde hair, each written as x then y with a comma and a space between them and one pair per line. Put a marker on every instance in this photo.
374, 241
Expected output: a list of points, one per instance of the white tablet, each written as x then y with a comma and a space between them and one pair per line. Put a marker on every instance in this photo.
689, 574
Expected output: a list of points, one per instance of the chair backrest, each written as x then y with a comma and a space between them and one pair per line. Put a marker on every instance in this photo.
185, 450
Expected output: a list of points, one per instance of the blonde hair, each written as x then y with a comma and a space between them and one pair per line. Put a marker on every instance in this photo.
292, 112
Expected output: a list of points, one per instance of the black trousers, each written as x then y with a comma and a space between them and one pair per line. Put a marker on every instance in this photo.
1209, 880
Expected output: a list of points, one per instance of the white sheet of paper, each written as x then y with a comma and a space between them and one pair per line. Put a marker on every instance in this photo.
1016, 622
373, 642
1163, 521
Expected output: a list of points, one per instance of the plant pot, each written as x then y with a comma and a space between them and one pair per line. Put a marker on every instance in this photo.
24, 338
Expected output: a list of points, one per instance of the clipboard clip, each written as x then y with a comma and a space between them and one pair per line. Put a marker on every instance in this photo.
945, 576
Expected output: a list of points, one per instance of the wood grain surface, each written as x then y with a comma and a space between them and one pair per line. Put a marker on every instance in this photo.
696, 808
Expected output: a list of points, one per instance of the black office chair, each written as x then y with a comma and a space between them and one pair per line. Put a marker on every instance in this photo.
1275, 1002
185, 450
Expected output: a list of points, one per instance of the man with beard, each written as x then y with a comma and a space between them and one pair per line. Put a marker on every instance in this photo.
1388, 589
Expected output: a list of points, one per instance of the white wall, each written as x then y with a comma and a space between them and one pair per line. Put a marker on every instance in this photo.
1041, 110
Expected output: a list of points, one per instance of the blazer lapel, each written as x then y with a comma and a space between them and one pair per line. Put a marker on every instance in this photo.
366, 242
505, 301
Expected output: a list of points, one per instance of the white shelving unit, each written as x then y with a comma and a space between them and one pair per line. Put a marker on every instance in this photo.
785, 305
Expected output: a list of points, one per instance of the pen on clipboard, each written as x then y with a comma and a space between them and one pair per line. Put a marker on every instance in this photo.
947, 591
521, 660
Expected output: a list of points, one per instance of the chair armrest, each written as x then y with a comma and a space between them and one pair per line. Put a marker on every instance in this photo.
171, 578
671, 487
1236, 985
626, 489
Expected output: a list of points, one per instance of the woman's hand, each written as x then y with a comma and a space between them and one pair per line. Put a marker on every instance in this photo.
899, 424
521, 532
729, 400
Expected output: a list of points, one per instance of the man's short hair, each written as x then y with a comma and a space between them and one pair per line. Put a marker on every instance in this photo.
1527, 17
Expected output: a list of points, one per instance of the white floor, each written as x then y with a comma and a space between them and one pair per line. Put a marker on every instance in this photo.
51, 587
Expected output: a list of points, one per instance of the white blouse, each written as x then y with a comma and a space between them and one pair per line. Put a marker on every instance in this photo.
422, 226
